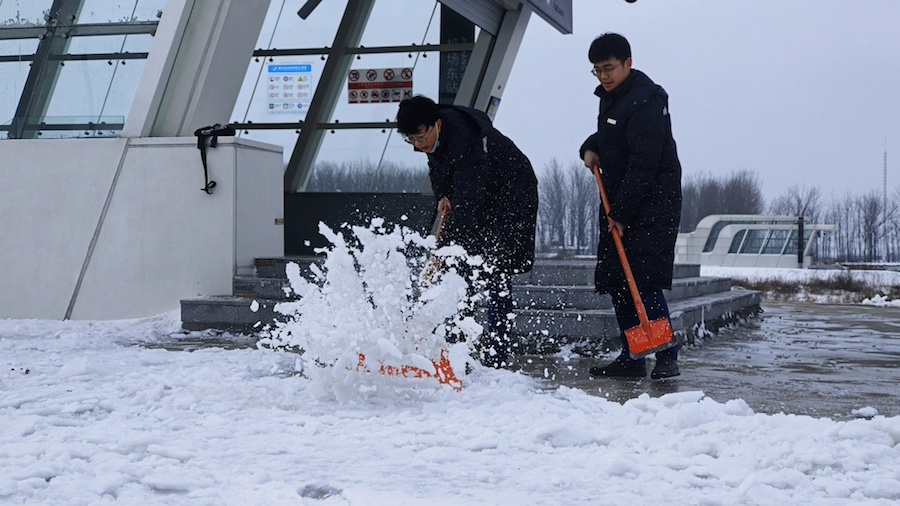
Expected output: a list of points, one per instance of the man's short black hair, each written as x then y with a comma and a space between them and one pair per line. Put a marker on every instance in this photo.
609, 45
415, 112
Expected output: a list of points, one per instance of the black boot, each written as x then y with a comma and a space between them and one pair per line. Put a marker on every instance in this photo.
622, 367
666, 367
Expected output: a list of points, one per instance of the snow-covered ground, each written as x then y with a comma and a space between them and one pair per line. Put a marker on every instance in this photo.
880, 280
111, 412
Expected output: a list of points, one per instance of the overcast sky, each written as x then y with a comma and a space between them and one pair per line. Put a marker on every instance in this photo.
801, 92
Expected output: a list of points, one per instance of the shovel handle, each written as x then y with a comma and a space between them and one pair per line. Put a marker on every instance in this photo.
431, 266
629, 277
437, 235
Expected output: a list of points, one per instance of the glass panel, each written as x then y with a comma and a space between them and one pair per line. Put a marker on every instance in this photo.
120, 11
95, 89
24, 12
415, 23
754, 241
284, 29
775, 242
791, 246
736, 241
12, 81
349, 161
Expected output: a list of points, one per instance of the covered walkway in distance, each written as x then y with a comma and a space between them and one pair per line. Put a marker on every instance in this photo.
750, 240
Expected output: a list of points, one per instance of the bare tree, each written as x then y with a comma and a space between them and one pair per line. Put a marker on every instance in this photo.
741, 194
870, 209
363, 176
703, 195
551, 228
583, 209
798, 201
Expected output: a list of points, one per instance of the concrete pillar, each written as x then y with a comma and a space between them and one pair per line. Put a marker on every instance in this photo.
196, 66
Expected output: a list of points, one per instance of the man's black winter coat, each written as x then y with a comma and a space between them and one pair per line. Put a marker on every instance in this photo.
642, 176
491, 186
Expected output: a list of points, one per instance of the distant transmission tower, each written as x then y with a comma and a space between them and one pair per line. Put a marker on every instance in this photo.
887, 255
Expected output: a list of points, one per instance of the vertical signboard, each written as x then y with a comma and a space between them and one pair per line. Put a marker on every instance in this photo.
288, 88
455, 29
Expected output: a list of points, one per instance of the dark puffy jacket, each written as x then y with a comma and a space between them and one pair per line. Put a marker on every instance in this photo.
642, 177
492, 188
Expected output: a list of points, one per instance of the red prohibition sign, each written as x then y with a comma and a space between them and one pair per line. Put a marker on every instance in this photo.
364, 94
406, 74
389, 74
354, 75
371, 75
353, 95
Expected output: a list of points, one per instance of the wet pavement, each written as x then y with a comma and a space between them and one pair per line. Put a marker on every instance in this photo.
805, 359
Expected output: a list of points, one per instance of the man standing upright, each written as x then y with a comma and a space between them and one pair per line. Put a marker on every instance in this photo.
635, 150
487, 189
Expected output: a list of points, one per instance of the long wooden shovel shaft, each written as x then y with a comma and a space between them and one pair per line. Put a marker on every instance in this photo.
430, 266
620, 248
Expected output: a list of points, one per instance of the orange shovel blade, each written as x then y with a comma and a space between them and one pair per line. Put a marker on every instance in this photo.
442, 372
651, 337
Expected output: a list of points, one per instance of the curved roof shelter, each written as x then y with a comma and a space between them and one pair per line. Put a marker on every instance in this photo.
750, 240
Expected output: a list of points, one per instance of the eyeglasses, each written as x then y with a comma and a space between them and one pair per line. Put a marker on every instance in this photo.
606, 70
415, 139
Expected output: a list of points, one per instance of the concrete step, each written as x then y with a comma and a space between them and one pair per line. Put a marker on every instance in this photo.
273, 267
588, 332
228, 313
585, 297
580, 272
591, 332
531, 296
546, 271
556, 301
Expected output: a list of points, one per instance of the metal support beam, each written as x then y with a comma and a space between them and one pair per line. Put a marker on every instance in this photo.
491, 61
87, 29
503, 54
193, 73
44, 73
349, 33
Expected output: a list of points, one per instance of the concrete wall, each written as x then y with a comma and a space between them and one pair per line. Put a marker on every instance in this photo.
119, 228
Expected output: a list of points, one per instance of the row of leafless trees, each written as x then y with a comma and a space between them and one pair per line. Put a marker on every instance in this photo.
868, 224
568, 218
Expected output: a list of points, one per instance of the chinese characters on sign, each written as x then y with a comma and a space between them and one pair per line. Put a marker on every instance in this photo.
371, 86
289, 88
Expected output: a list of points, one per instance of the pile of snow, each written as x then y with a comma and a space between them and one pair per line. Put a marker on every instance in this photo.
90, 413
369, 301
111, 412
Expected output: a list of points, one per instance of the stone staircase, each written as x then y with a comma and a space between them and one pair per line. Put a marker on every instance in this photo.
556, 305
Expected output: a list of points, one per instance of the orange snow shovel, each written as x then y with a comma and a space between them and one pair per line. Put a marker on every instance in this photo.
648, 337
442, 372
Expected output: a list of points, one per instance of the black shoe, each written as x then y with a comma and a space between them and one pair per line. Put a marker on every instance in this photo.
665, 369
622, 367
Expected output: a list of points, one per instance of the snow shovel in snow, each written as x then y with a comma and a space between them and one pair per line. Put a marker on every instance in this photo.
648, 337
440, 370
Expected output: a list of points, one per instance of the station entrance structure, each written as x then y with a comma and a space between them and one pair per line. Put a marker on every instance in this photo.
101, 210
751, 240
